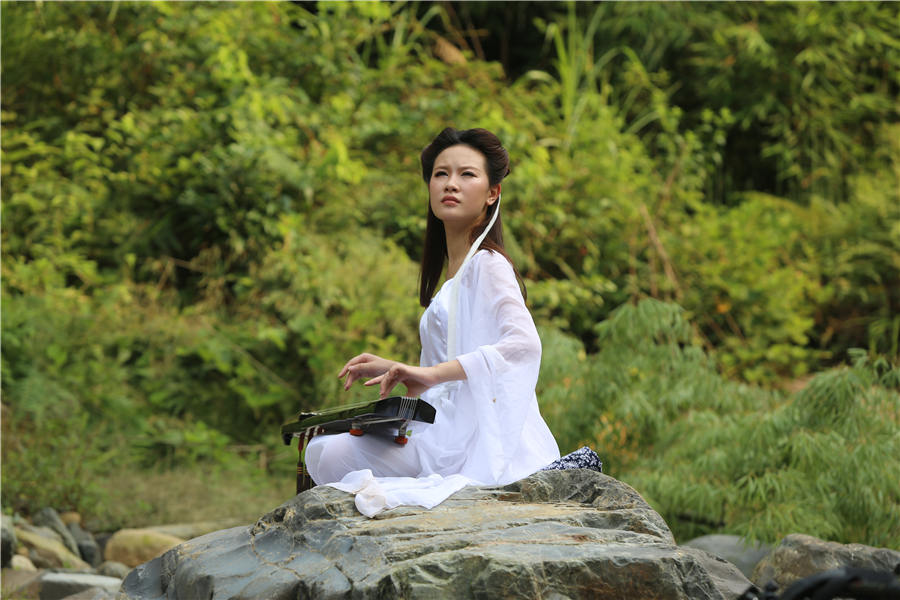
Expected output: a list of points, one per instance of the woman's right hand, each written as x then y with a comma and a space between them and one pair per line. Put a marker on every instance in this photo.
364, 365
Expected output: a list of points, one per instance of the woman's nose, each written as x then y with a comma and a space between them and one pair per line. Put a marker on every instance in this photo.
451, 184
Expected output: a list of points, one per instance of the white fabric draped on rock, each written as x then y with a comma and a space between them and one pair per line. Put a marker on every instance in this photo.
488, 429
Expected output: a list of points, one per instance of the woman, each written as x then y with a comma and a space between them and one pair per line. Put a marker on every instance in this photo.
480, 352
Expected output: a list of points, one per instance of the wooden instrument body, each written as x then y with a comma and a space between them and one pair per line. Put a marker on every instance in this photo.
393, 412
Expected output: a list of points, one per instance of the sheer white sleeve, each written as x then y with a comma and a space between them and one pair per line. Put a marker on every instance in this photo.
501, 356
492, 306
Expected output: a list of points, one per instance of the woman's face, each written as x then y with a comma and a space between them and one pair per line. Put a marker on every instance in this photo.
459, 190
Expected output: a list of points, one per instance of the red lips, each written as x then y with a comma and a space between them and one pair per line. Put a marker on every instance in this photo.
449, 198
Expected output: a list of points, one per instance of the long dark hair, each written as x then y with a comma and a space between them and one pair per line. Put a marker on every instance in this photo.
434, 251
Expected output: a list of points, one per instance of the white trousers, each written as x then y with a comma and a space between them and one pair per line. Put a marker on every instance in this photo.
330, 457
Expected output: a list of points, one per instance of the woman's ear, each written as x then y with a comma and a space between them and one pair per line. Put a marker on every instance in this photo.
493, 194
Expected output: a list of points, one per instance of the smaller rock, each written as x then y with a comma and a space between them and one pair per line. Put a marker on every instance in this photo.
112, 568
55, 586
70, 517
22, 563
87, 545
44, 532
8, 541
21, 584
49, 553
102, 538
136, 546
798, 556
189, 531
739, 552
92, 594
49, 518
90, 553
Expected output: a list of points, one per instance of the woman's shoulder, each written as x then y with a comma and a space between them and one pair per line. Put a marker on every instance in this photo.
489, 263
491, 259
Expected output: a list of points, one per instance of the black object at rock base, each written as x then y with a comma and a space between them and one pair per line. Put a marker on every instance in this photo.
846, 582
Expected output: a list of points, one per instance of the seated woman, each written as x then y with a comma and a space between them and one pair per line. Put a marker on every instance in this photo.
480, 352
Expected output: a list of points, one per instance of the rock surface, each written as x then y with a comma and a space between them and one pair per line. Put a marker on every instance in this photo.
8, 540
556, 534
188, 531
70, 517
92, 594
135, 546
111, 568
49, 518
798, 556
87, 545
22, 563
55, 586
20, 584
46, 551
742, 554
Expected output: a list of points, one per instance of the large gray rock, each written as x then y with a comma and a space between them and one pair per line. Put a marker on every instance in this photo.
49, 518
556, 534
798, 556
741, 553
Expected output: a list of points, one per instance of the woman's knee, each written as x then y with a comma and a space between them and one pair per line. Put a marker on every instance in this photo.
329, 458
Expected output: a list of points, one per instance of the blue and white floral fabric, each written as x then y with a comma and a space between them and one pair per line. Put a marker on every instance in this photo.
583, 458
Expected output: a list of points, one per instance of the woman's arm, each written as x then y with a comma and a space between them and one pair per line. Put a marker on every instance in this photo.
497, 334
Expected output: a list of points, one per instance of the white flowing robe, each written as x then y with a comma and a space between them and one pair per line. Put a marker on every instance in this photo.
488, 429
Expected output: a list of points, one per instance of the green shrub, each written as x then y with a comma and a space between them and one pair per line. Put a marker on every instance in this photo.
713, 455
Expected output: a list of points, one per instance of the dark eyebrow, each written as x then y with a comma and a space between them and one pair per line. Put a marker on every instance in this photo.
464, 167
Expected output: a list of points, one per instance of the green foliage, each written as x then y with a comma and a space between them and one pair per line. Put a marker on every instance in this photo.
320, 302
714, 455
820, 462
756, 306
647, 372
807, 84
860, 261
208, 208
238, 491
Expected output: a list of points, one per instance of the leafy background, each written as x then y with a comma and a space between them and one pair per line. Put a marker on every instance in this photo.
208, 207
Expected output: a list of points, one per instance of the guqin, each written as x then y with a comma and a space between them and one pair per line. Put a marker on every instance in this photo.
389, 415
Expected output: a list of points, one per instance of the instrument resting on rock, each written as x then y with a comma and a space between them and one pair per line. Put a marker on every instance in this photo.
383, 416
